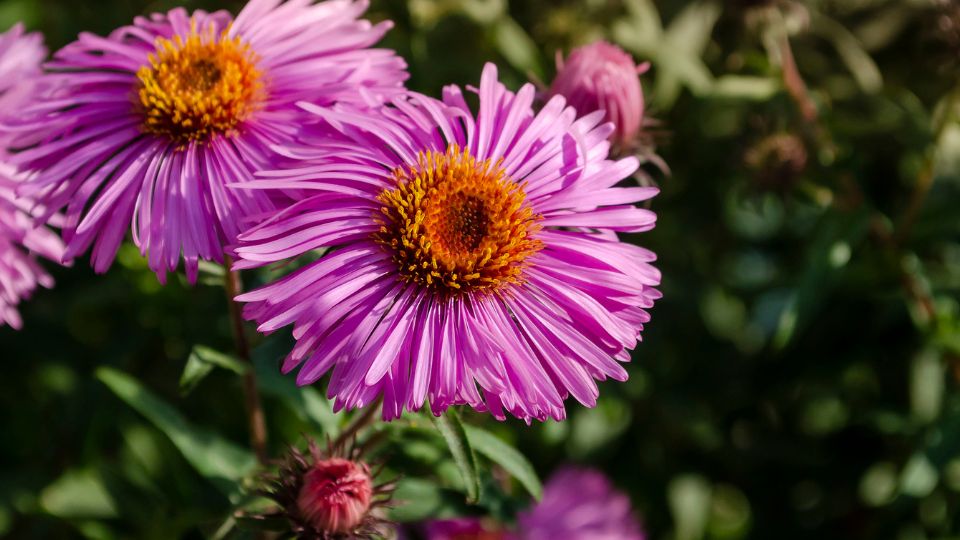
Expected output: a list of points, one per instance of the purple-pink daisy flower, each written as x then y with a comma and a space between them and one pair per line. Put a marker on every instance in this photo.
21, 239
149, 126
577, 504
580, 504
474, 257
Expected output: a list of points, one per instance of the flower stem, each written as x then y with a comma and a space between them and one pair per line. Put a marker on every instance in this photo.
255, 417
366, 417
925, 178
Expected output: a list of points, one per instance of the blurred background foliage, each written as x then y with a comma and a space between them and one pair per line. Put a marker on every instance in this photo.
799, 378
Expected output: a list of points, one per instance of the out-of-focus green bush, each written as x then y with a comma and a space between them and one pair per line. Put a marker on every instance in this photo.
799, 377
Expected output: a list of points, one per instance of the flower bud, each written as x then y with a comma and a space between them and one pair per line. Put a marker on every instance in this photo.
601, 76
336, 495
777, 160
327, 495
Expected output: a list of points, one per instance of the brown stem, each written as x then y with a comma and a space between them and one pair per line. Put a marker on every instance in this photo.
255, 418
798, 90
925, 178
917, 199
794, 83
358, 423
911, 285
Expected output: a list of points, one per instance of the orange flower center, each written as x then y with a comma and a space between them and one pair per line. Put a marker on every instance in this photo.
457, 225
198, 87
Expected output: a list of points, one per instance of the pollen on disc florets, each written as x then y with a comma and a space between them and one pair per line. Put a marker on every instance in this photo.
199, 86
455, 224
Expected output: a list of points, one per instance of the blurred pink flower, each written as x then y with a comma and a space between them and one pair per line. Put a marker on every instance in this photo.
577, 504
21, 238
580, 504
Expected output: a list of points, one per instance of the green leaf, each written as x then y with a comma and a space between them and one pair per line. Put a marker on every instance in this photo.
821, 271
483, 12
517, 46
676, 52
25, 11
417, 499
201, 362
745, 87
507, 457
918, 477
453, 432
679, 54
307, 402
211, 274
215, 458
927, 385
78, 494
641, 30
691, 29
857, 60
689, 499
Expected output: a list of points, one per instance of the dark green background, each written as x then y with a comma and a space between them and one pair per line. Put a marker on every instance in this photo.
798, 379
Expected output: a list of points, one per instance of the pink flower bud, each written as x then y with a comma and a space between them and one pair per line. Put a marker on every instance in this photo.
601, 76
336, 495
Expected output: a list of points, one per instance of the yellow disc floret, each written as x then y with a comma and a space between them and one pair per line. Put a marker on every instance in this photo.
198, 86
455, 225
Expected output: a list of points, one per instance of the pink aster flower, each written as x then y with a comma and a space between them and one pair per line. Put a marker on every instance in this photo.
601, 76
580, 504
21, 54
151, 124
20, 237
577, 504
474, 257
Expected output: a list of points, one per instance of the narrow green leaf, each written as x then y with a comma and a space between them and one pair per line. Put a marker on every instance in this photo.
201, 362
307, 402
857, 60
212, 268
689, 498
821, 271
691, 29
483, 12
453, 432
641, 30
215, 458
417, 499
927, 385
745, 87
78, 494
507, 457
